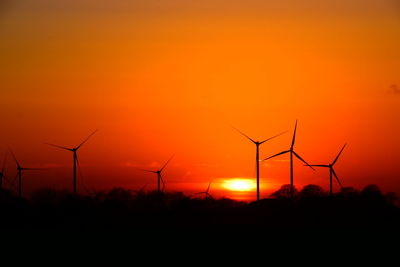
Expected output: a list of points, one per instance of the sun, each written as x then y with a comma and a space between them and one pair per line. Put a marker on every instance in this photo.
239, 184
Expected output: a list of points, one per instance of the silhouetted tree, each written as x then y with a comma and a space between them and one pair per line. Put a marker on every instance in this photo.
6, 196
48, 196
119, 195
312, 190
284, 192
373, 193
371, 190
119, 198
392, 198
348, 192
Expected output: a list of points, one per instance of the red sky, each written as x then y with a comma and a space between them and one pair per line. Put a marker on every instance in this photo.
169, 77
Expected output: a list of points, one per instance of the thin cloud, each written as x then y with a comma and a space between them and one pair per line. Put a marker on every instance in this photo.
129, 164
153, 164
52, 165
275, 160
394, 89
45, 165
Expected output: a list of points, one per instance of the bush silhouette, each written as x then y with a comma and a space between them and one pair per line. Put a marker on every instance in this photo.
284, 192
312, 191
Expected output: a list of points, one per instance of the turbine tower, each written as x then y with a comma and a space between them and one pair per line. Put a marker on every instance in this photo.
74, 150
20, 169
258, 143
332, 170
292, 153
159, 176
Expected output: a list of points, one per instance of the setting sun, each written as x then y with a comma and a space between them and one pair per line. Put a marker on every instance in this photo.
239, 185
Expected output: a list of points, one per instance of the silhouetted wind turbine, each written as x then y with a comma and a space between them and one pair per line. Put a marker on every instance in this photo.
332, 171
207, 192
3, 168
159, 176
258, 143
74, 150
19, 170
292, 152
141, 190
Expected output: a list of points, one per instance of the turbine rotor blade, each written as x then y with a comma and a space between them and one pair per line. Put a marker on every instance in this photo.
4, 163
244, 135
323, 166
147, 170
337, 178
81, 176
162, 180
294, 135
281, 153
33, 169
166, 163
300, 158
208, 188
12, 182
87, 138
142, 188
78, 165
7, 180
337, 157
262, 142
15, 158
61, 147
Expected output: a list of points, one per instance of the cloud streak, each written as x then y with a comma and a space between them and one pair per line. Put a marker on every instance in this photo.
394, 89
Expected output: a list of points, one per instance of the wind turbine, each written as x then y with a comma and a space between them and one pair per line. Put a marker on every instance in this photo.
332, 170
20, 169
292, 152
159, 176
141, 190
2, 175
206, 193
258, 143
74, 150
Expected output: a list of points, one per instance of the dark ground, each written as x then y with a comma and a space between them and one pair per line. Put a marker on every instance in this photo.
122, 210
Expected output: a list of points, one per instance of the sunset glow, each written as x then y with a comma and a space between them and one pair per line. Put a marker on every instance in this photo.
240, 185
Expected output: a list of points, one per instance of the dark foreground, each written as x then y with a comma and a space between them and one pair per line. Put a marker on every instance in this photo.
120, 209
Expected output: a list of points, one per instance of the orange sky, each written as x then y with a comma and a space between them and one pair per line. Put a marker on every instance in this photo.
169, 77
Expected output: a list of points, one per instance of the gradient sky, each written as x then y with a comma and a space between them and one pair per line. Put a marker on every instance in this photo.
169, 77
